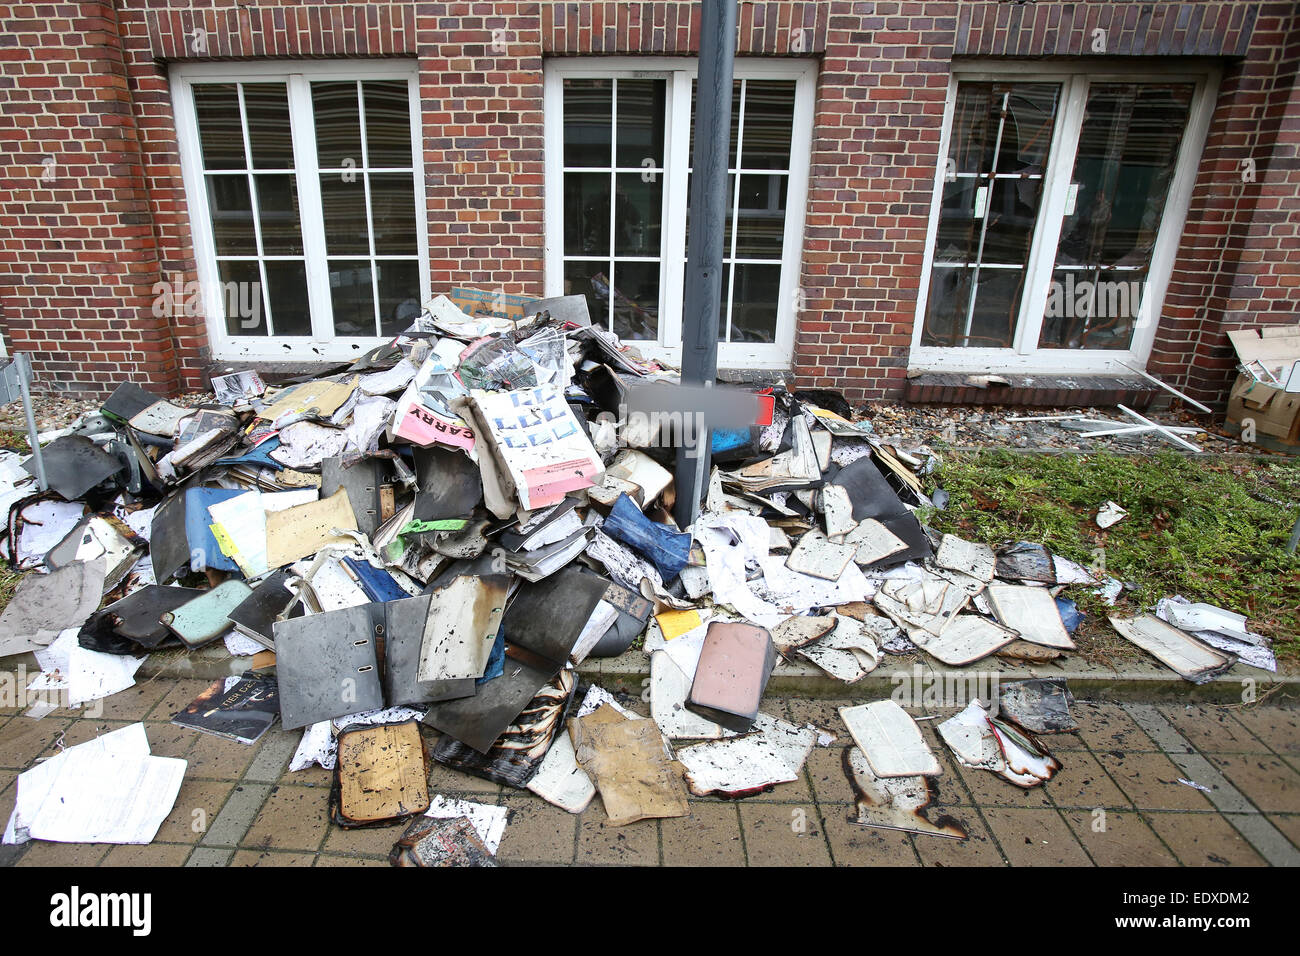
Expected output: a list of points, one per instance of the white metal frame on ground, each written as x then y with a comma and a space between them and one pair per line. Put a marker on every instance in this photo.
322, 343
1024, 355
679, 73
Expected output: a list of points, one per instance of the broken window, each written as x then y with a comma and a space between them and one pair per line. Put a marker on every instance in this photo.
1058, 205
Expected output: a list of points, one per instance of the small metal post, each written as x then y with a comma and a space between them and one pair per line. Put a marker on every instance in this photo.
24, 378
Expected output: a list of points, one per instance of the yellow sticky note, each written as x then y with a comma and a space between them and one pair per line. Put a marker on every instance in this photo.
227, 546
676, 623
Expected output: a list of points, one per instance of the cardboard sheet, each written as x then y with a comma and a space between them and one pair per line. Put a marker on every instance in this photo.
628, 762
297, 532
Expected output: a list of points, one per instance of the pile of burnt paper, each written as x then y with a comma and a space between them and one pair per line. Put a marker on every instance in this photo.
424, 545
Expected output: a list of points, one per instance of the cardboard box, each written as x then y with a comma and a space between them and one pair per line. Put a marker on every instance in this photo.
1267, 408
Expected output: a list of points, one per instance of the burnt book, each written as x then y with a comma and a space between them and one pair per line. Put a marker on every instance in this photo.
542, 623
244, 711
255, 616
734, 667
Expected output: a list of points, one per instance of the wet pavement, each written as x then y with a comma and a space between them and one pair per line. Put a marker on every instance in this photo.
1118, 801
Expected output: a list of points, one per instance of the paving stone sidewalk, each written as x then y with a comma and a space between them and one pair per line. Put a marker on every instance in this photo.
1117, 802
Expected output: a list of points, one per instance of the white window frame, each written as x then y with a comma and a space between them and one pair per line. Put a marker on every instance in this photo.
1024, 355
679, 73
322, 343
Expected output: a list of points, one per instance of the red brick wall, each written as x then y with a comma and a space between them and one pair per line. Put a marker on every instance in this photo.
78, 252
1239, 262
81, 255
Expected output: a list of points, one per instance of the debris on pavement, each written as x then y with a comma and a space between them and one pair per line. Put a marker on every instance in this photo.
890, 740
426, 543
107, 790
1040, 706
751, 763
238, 708
983, 742
896, 803
441, 842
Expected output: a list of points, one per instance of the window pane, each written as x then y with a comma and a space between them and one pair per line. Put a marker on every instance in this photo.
997, 305
232, 215
1011, 211
586, 214
241, 297
277, 203
338, 125
343, 199
1092, 308
957, 239
986, 224
221, 134
588, 122
993, 318
579, 279
399, 295
1128, 147
754, 303
638, 215
269, 135
762, 217
769, 121
726, 222
353, 296
636, 300
392, 212
641, 122
735, 120
287, 294
1027, 130
388, 123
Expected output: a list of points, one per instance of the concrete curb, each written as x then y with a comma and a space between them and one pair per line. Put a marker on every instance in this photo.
907, 679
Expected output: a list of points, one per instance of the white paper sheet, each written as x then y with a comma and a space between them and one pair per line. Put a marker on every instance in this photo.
241, 521
670, 686
774, 753
890, 739
108, 790
560, 781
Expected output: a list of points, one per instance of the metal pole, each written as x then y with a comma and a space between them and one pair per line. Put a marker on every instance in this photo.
708, 201
24, 376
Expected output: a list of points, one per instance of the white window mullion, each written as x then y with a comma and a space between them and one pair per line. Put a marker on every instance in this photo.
1051, 214
553, 159
677, 146
370, 216
796, 197
419, 186
311, 208
613, 195
265, 289
735, 211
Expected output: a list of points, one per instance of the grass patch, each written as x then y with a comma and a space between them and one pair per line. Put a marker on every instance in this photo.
1212, 529
9, 579
15, 442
